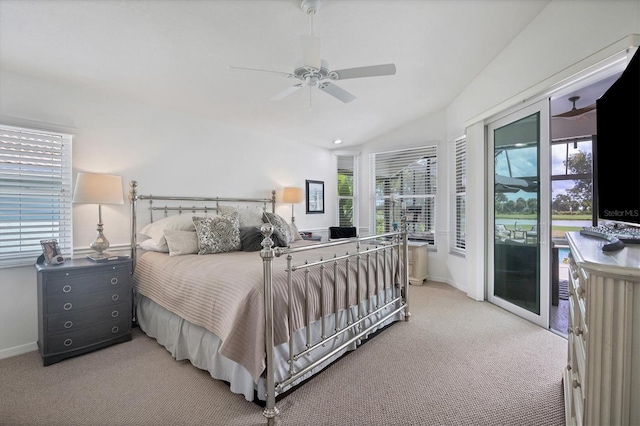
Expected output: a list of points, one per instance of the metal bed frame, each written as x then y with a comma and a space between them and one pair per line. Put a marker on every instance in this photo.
369, 317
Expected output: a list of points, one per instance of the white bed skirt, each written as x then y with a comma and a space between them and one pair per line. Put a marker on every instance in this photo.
185, 340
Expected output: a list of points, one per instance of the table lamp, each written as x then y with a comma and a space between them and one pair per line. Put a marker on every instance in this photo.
92, 188
294, 196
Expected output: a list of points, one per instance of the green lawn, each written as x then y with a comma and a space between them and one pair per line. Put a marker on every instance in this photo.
557, 231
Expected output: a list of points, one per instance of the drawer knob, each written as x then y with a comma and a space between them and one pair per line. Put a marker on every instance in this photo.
578, 331
66, 288
114, 329
68, 342
67, 306
575, 383
115, 314
68, 324
114, 280
115, 297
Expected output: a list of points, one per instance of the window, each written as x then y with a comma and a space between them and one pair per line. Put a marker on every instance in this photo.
458, 200
571, 176
347, 190
35, 201
406, 178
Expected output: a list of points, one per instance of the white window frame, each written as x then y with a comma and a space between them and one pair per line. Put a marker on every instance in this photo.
35, 200
457, 196
354, 197
419, 198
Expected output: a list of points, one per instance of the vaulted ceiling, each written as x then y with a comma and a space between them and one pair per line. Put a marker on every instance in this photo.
177, 54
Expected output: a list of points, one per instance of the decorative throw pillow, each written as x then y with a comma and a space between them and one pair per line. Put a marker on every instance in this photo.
181, 242
278, 223
155, 230
251, 238
294, 232
217, 234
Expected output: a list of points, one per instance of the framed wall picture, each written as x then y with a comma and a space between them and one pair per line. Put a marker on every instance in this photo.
51, 252
315, 196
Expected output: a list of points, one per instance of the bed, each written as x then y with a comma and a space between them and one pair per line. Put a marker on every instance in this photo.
228, 285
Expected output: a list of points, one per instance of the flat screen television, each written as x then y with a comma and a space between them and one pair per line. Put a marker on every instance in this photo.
616, 154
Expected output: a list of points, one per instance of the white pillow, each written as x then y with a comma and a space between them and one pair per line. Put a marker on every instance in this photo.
181, 242
155, 230
149, 244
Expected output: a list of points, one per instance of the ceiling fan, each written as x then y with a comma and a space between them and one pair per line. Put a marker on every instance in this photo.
576, 111
314, 71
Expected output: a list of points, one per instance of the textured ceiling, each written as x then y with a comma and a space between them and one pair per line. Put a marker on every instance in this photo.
177, 54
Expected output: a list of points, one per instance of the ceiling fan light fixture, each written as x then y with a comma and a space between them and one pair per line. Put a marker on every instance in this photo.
310, 6
313, 72
574, 111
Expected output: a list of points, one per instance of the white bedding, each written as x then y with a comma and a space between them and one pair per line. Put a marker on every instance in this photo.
224, 294
185, 340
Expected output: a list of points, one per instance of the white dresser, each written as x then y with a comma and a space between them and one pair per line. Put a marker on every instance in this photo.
602, 377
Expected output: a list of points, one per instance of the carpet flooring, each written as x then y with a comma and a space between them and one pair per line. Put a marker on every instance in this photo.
456, 362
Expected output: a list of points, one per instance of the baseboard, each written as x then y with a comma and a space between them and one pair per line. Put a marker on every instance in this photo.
18, 350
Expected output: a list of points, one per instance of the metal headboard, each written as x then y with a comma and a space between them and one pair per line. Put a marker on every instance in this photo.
134, 197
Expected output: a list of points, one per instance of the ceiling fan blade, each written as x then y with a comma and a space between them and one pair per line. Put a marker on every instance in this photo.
576, 111
311, 57
370, 71
286, 74
286, 92
336, 92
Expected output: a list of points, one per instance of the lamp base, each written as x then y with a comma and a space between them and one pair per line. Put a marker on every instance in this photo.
102, 257
99, 244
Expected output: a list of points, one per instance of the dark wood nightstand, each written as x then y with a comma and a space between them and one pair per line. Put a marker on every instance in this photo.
83, 306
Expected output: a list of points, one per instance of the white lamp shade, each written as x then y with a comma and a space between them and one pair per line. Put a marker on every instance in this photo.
292, 195
92, 188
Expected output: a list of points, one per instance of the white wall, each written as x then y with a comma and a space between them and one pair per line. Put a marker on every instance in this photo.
564, 39
163, 151
426, 132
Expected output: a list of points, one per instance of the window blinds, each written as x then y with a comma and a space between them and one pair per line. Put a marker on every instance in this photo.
406, 177
458, 199
346, 190
35, 195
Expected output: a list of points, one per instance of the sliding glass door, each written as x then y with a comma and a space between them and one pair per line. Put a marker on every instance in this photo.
519, 213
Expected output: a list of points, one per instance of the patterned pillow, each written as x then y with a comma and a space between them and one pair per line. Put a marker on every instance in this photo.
279, 223
294, 232
218, 234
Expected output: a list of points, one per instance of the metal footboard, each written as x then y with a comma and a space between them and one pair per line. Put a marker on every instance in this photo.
377, 274
380, 272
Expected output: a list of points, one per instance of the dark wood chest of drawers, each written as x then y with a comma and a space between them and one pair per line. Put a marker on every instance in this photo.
83, 306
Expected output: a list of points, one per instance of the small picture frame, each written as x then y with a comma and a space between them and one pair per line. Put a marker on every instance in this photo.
315, 196
51, 252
